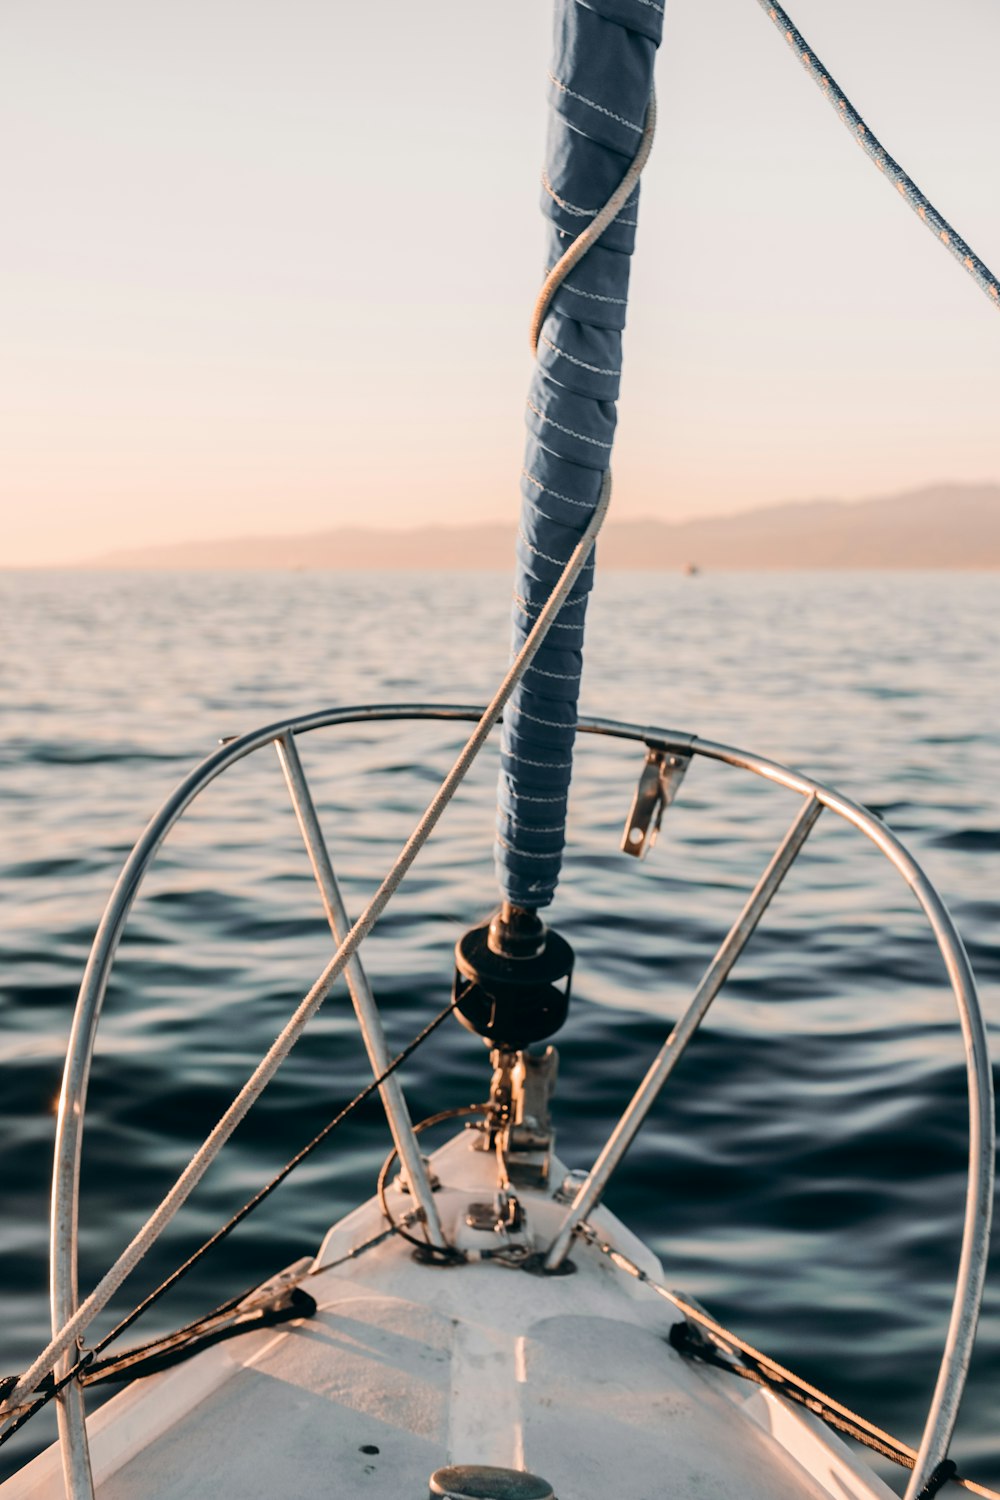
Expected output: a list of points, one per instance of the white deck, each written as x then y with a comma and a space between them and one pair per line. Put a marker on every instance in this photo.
568, 1376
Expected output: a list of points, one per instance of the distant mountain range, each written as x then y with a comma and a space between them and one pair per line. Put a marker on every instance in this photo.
941, 526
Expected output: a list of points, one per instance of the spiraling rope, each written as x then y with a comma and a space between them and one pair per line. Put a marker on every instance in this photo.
595, 228
283, 1044
905, 186
814, 1399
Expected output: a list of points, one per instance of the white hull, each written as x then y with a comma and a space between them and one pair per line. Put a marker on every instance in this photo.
568, 1376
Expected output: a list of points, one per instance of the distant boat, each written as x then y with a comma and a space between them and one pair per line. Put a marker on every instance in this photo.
691, 570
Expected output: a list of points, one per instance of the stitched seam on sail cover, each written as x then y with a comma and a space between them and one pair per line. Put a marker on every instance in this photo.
545, 557
556, 495
584, 213
540, 509
594, 369
551, 828
556, 626
523, 797
593, 296
581, 436
592, 104
534, 719
546, 765
527, 853
556, 676
533, 611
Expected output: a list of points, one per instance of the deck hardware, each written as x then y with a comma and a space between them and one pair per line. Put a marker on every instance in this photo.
284, 1306
482, 1217
659, 782
483, 1482
571, 1185
503, 1216
433, 1180
524, 1146
516, 932
518, 1125
498, 1111
512, 979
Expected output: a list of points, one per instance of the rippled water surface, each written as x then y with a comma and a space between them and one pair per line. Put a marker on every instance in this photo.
803, 1174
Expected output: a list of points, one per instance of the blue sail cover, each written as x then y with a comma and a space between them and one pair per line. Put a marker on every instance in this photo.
599, 88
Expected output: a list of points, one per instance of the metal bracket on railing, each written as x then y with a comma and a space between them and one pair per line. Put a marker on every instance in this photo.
659, 782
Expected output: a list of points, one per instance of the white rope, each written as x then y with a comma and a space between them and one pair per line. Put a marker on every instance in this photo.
266, 1069
596, 228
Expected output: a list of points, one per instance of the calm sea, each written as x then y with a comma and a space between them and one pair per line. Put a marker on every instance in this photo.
803, 1173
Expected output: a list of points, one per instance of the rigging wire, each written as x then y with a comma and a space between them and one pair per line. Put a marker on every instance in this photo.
143, 1359
872, 146
764, 1370
186, 1341
23, 1413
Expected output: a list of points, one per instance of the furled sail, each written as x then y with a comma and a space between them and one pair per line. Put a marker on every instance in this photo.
600, 86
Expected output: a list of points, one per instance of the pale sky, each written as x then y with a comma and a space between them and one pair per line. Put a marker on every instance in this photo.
269, 267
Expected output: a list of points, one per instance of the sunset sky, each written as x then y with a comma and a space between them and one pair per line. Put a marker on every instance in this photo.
269, 267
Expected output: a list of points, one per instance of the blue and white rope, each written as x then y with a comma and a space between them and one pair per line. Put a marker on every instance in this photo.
869, 143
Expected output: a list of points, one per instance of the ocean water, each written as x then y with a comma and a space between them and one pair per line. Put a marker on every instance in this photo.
802, 1174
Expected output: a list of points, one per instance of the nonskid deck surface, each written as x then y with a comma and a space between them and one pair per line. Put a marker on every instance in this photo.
407, 1367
